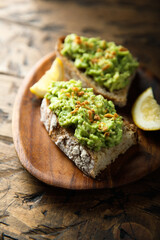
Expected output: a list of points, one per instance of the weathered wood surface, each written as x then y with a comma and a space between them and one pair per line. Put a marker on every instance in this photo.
29, 209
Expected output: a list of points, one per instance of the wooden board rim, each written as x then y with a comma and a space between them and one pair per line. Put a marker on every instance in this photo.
19, 146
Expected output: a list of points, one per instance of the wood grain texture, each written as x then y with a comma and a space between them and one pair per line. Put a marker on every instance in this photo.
30, 209
8, 90
42, 158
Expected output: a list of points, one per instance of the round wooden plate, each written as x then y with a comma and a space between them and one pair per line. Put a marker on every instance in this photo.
41, 157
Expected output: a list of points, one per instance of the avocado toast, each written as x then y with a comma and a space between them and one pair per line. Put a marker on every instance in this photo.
104, 66
85, 126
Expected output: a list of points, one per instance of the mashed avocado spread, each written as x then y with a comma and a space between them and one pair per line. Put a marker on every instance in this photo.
108, 64
93, 118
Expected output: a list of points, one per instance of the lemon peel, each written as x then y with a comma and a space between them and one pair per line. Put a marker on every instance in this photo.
146, 111
55, 73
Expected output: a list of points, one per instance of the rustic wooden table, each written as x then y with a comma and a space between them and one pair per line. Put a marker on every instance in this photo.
30, 209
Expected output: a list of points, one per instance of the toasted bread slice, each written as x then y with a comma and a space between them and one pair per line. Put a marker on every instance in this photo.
88, 161
119, 97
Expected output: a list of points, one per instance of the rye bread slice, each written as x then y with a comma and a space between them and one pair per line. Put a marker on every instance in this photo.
119, 97
89, 162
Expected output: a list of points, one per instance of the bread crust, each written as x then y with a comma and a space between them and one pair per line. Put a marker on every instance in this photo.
88, 161
119, 97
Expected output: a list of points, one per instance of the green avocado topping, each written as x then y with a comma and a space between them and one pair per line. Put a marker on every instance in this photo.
93, 118
108, 64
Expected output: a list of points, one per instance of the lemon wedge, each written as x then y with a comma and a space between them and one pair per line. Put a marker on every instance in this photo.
146, 111
55, 73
